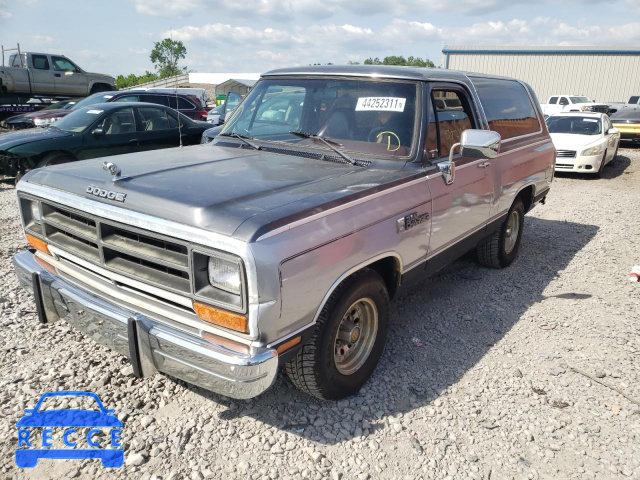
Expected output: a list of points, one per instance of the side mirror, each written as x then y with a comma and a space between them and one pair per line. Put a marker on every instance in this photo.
473, 144
98, 131
448, 169
480, 144
613, 131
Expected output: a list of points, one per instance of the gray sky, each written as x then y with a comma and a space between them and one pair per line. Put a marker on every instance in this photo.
116, 37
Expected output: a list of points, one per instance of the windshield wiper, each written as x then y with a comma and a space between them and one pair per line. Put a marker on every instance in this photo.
328, 142
242, 138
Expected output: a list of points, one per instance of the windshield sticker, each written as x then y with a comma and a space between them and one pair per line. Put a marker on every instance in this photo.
95, 112
108, 96
590, 119
381, 104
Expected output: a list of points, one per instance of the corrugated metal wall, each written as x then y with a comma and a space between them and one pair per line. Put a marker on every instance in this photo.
603, 77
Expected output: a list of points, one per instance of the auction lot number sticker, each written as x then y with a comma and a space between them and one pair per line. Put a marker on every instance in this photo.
381, 104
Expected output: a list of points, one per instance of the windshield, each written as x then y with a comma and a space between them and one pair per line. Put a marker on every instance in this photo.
92, 100
576, 125
64, 105
78, 120
580, 100
369, 117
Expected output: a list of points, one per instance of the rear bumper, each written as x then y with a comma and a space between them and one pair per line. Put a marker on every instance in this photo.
150, 345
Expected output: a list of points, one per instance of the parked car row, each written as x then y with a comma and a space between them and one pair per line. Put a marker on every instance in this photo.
98, 130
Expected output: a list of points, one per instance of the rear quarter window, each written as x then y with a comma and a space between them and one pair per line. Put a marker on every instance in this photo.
508, 107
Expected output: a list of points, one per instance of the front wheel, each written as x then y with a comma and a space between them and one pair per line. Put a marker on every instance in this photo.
347, 341
500, 249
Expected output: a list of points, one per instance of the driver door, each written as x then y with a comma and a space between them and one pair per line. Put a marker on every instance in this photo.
116, 134
69, 79
463, 207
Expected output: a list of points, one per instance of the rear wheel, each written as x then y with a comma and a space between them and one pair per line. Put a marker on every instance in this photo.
500, 249
100, 87
348, 339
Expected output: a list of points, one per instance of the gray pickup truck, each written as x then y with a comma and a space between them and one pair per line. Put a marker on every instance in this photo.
283, 241
45, 74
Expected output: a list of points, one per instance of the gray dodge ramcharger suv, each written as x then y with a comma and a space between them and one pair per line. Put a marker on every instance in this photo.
284, 240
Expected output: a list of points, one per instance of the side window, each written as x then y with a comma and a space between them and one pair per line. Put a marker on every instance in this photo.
61, 64
40, 62
431, 143
154, 119
564, 101
507, 106
634, 99
451, 122
119, 122
184, 104
127, 98
157, 99
553, 100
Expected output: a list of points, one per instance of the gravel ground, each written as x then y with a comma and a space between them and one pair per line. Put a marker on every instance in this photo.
477, 380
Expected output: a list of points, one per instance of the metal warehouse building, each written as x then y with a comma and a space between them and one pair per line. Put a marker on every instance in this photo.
607, 74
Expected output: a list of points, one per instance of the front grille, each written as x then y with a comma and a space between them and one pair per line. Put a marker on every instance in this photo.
566, 153
564, 165
136, 254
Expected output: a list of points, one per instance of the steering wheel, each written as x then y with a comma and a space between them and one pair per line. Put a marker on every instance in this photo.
376, 136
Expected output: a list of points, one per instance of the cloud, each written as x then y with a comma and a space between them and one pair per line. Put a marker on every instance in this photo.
246, 48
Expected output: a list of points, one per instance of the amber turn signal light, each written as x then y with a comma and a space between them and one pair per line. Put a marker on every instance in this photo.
38, 244
288, 344
219, 317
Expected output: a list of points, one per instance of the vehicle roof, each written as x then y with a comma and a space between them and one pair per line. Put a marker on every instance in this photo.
115, 105
385, 71
577, 114
568, 95
138, 90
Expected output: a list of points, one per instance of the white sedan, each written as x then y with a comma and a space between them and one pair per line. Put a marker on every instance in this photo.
585, 142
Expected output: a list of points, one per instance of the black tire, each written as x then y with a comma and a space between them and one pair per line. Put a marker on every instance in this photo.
602, 164
493, 252
314, 370
55, 158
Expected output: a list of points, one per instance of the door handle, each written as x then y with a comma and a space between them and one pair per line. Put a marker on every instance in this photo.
56, 75
133, 140
484, 164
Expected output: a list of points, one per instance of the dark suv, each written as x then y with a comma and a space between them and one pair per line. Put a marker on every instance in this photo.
188, 105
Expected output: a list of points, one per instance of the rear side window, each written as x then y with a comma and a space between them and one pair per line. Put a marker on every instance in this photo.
184, 104
159, 99
127, 98
40, 62
508, 107
553, 100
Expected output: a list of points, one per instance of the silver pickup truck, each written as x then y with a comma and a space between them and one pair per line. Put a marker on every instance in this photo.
283, 241
44, 74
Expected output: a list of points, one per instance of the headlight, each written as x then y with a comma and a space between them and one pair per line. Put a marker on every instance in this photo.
592, 151
43, 122
225, 275
35, 212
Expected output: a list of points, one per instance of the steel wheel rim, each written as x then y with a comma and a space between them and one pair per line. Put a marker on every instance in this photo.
356, 336
512, 231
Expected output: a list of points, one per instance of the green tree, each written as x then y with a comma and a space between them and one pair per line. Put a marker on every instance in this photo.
166, 55
400, 60
132, 79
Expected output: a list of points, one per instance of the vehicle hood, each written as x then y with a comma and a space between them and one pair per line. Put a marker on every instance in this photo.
218, 188
102, 76
571, 141
69, 418
32, 115
20, 137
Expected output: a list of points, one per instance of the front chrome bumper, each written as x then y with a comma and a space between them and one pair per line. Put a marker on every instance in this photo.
150, 345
